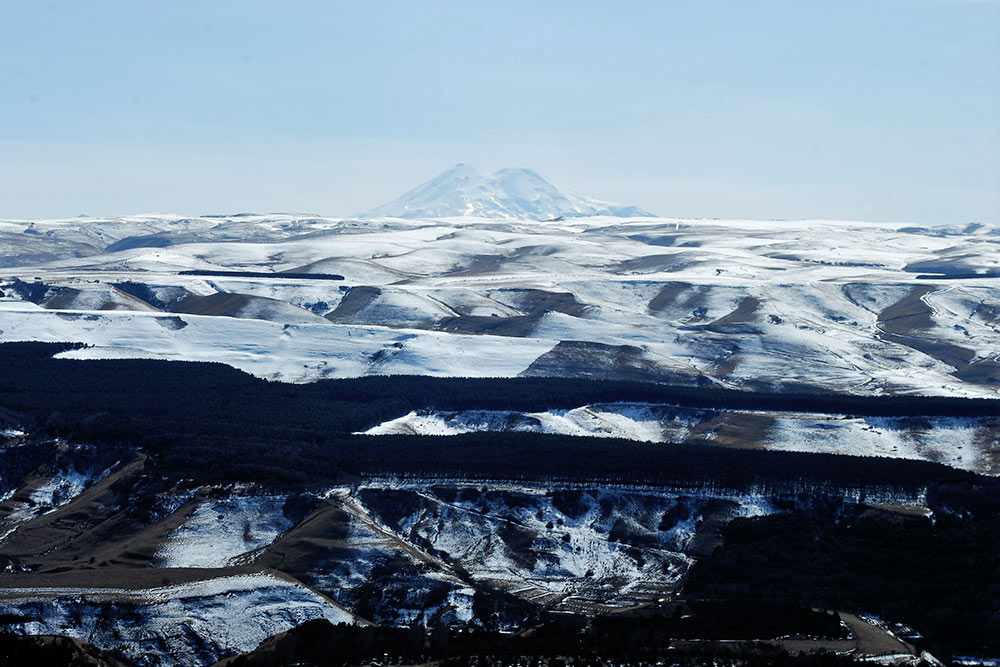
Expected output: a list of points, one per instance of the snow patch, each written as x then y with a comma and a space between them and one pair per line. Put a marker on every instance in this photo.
962, 443
185, 624
62, 486
218, 532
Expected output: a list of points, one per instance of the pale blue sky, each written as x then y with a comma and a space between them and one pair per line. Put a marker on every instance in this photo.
882, 110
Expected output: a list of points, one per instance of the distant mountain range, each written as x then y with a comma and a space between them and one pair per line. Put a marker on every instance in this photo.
514, 193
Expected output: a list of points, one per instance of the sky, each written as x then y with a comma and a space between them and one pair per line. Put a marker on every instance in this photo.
872, 110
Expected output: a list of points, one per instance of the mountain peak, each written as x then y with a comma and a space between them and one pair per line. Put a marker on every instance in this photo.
460, 170
509, 193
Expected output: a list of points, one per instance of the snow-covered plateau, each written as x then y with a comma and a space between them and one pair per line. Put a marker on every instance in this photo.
863, 308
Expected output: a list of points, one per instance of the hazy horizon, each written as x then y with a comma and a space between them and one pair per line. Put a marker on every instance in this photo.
882, 111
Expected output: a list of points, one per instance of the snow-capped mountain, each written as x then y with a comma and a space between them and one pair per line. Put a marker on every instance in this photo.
513, 192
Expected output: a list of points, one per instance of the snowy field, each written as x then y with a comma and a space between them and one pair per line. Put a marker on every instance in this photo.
867, 308
218, 532
185, 624
966, 443
291, 353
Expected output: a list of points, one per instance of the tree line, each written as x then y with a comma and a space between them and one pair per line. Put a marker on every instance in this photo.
210, 422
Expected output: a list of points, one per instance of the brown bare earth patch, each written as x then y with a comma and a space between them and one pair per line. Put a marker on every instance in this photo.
744, 312
600, 361
726, 364
225, 304
680, 301
96, 530
316, 537
517, 326
480, 265
908, 315
62, 299
867, 640
13, 585
670, 295
65, 298
742, 430
909, 322
356, 300
665, 263
533, 303
984, 371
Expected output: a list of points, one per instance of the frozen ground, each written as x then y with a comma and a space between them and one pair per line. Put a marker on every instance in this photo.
394, 553
867, 308
292, 353
649, 423
863, 308
187, 624
580, 550
970, 444
44, 492
218, 532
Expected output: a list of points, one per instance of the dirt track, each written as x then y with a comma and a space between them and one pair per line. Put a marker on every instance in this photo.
867, 640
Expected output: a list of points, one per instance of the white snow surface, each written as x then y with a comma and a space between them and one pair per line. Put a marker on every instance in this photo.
630, 421
219, 531
597, 547
292, 353
734, 302
959, 442
199, 622
948, 440
513, 193
58, 489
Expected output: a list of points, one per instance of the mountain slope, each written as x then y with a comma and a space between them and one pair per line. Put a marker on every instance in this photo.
508, 193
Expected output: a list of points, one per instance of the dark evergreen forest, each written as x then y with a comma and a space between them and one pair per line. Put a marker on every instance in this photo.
212, 423
209, 423
939, 574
